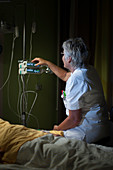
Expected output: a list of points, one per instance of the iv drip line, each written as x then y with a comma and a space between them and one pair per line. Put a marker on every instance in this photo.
24, 110
30, 53
10, 67
19, 104
32, 103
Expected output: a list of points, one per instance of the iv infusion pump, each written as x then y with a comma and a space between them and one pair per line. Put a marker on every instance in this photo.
26, 67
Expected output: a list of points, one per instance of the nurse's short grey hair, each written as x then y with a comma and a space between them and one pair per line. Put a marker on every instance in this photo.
77, 50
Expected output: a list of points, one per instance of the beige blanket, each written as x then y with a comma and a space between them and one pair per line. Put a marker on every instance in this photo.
59, 153
12, 137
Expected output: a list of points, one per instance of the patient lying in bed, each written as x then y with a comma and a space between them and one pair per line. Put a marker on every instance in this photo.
24, 148
12, 137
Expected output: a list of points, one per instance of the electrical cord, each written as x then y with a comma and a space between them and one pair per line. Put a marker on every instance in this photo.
19, 103
34, 118
29, 113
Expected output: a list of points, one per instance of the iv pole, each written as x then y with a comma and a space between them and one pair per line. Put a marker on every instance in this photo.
23, 76
23, 116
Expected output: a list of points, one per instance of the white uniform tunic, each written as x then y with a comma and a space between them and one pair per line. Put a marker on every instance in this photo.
84, 91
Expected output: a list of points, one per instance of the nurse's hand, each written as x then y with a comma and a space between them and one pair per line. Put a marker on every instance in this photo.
55, 127
39, 61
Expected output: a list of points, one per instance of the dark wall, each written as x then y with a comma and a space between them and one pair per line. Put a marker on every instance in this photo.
44, 42
56, 21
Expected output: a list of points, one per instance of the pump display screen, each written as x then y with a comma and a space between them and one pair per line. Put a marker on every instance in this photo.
33, 71
32, 65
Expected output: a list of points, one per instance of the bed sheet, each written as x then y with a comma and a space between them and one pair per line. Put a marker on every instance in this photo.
58, 153
32, 149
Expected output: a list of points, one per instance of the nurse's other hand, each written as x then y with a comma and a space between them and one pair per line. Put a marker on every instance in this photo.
55, 127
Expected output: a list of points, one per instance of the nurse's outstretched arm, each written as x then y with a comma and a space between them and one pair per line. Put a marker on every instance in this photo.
61, 73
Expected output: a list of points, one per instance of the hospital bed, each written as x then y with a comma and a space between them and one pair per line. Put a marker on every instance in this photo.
29, 149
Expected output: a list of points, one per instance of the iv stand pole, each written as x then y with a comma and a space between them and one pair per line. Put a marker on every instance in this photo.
23, 76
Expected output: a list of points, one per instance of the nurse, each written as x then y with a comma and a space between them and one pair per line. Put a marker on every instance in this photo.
86, 110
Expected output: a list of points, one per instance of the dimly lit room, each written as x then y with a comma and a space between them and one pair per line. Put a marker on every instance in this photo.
42, 117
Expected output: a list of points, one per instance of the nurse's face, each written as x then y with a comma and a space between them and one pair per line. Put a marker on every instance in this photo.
65, 62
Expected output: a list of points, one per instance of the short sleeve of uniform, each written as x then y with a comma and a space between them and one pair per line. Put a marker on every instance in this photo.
76, 87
